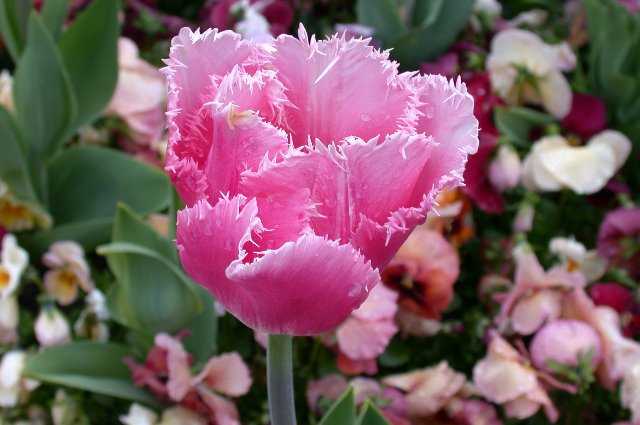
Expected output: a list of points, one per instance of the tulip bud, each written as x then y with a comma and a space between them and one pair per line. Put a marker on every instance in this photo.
564, 342
505, 169
52, 328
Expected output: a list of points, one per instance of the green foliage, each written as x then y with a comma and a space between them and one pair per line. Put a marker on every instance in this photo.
343, 412
152, 293
54, 13
90, 366
13, 24
89, 49
516, 123
433, 27
45, 103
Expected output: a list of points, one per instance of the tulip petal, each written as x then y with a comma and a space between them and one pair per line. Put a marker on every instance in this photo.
279, 291
339, 88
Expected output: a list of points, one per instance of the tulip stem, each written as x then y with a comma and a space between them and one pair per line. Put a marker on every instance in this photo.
280, 380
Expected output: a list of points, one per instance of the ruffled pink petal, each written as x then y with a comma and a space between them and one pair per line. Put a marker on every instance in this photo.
446, 114
227, 374
178, 365
365, 339
261, 92
240, 141
339, 88
196, 65
279, 291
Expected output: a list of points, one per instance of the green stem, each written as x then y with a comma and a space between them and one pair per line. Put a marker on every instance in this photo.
280, 380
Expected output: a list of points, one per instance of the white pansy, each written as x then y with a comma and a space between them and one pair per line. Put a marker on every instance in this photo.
52, 328
139, 415
97, 304
531, 18
630, 392
575, 256
554, 164
253, 25
14, 261
515, 49
12, 384
490, 8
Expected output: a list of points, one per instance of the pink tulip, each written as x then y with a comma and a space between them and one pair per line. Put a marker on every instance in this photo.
304, 165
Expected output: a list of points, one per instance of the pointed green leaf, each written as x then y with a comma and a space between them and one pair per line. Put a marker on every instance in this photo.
54, 13
14, 15
370, 415
89, 49
343, 411
153, 294
45, 104
383, 17
90, 366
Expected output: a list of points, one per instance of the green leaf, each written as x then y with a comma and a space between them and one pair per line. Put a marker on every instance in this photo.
153, 294
14, 170
45, 105
383, 17
14, 15
203, 329
89, 50
343, 411
54, 13
435, 35
370, 415
516, 123
87, 182
90, 366
88, 233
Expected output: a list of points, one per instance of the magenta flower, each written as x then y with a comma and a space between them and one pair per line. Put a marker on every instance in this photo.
587, 116
304, 165
619, 239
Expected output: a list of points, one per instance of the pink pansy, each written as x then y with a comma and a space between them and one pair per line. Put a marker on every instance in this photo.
619, 353
473, 412
536, 296
367, 331
565, 342
439, 392
304, 165
423, 272
619, 239
504, 377
587, 116
505, 169
167, 374
140, 95
428, 390
633, 6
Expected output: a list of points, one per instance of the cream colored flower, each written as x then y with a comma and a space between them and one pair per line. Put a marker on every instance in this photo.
69, 272
524, 69
13, 386
139, 96
9, 316
52, 328
6, 90
181, 416
491, 8
16, 215
91, 324
14, 261
139, 415
630, 392
574, 256
554, 164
